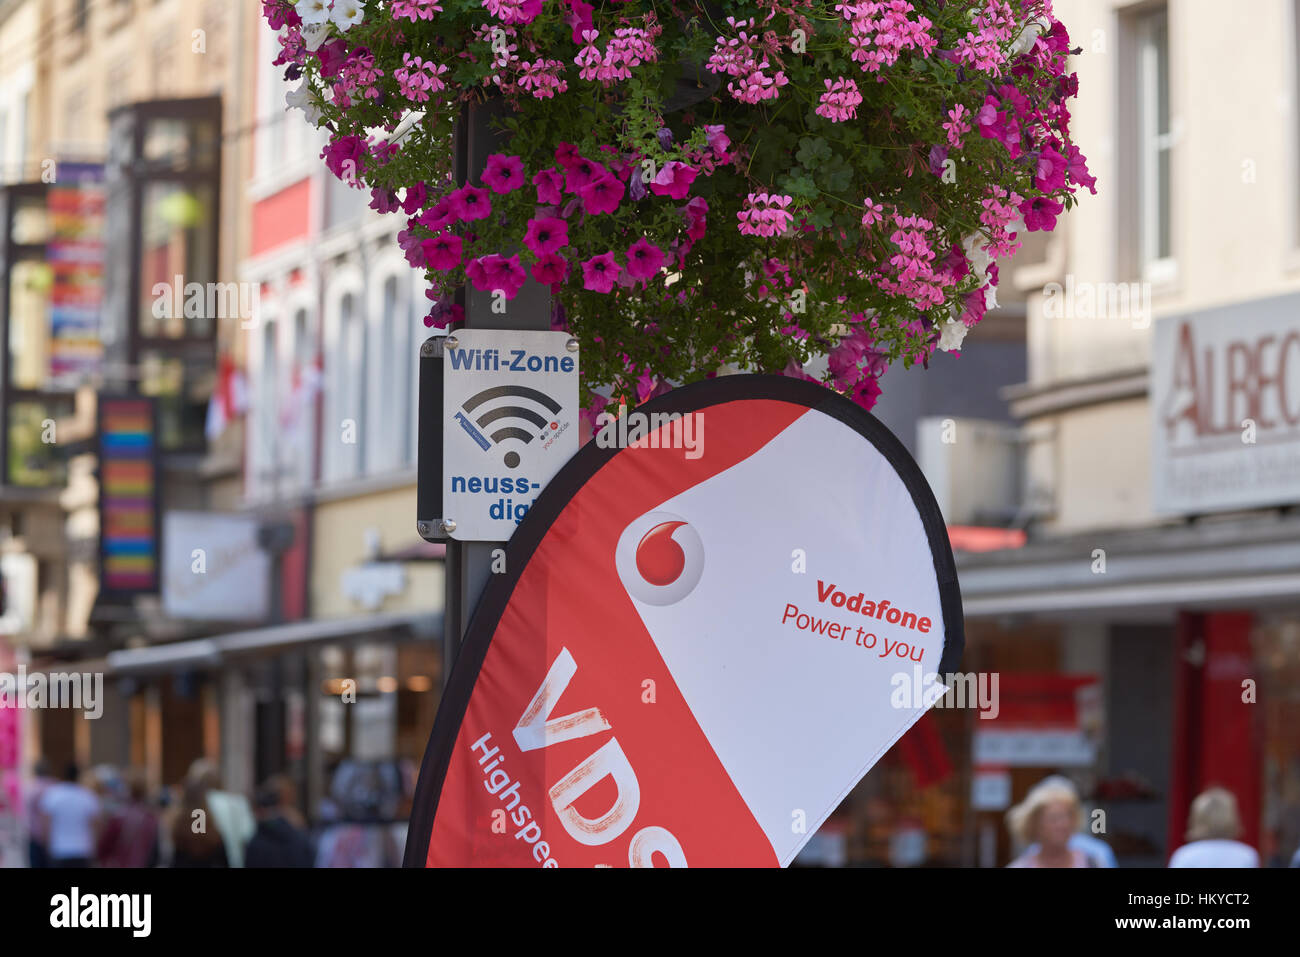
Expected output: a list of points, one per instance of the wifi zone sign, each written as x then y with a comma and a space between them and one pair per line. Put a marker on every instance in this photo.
510, 421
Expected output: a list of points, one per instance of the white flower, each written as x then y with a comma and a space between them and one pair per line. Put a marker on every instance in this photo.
991, 296
1025, 42
977, 254
314, 34
312, 11
951, 334
301, 99
347, 13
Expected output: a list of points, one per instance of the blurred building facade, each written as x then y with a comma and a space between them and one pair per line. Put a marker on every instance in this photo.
240, 572
1155, 609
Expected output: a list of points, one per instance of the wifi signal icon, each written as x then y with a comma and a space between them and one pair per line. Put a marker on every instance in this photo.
497, 418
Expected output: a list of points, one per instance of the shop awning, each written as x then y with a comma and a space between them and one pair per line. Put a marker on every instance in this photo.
209, 653
1241, 562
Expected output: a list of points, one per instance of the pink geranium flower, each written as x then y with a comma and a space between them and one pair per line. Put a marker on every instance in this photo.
504, 174
600, 272
546, 235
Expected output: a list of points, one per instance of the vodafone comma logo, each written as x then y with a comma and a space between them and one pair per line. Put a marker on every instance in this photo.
659, 558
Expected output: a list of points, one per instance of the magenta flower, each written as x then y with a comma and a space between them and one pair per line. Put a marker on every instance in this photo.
673, 179
490, 273
442, 252
551, 269
718, 140
440, 214
415, 198
345, 157
579, 18
644, 259
545, 236
471, 202
549, 184
599, 273
696, 219
504, 174
1040, 213
1051, 170
582, 172
602, 195
566, 154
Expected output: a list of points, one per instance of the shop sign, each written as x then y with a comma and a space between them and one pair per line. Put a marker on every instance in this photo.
1225, 406
213, 567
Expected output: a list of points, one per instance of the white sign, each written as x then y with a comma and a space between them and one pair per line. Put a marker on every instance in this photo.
990, 789
510, 407
1225, 405
1033, 747
213, 567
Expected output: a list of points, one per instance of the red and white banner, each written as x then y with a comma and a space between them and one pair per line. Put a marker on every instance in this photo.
692, 656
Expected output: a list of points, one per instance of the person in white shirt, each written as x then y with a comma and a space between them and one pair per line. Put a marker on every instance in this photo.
1212, 832
70, 817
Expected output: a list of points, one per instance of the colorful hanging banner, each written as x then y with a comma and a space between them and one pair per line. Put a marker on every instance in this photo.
695, 649
75, 253
128, 496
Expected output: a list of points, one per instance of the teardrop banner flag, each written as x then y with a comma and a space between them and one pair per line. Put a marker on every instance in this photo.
712, 623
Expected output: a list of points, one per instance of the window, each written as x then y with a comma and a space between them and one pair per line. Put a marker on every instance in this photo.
268, 409
1155, 143
1295, 121
391, 370
300, 419
344, 432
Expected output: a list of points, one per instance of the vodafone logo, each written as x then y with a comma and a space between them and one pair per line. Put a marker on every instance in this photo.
659, 558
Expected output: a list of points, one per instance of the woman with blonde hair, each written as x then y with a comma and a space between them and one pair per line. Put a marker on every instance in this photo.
1212, 829
1044, 822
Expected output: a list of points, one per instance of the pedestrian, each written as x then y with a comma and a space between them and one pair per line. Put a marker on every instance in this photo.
195, 840
70, 821
1212, 832
38, 854
130, 837
1093, 847
231, 812
280, 839
1045, 821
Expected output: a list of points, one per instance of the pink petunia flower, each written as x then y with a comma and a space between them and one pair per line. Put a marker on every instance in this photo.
470, 203
602, 195
600, 272
504, 174
644, 259
546, 235
673, 179
551, 269
442, 252
549, 184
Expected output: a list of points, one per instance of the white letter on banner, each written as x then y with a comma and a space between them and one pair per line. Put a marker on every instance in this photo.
608, 761
531, 733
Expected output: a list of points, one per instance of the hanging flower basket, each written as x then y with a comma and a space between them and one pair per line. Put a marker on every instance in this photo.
706, 185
